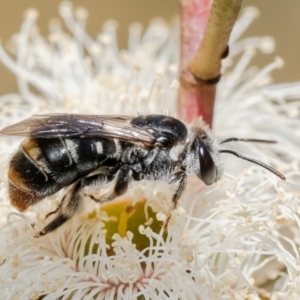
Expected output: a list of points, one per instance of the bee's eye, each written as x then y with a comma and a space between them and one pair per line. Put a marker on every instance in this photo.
207, 166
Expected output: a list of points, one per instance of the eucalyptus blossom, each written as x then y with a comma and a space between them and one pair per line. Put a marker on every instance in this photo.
236, 239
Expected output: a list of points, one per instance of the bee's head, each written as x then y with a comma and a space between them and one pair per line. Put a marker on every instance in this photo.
202, 157
202, 154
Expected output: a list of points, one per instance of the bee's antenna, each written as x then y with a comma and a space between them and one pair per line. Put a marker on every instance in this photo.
255, 162
233, 139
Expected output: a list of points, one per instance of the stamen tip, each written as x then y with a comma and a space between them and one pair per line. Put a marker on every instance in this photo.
267, 44
252, 11
279, 62
31, 13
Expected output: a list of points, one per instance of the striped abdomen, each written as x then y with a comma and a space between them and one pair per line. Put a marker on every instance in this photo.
41, 167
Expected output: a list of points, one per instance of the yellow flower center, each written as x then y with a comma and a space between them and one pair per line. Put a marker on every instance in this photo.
123, 216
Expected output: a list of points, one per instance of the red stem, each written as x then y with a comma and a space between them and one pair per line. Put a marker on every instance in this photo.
195, 99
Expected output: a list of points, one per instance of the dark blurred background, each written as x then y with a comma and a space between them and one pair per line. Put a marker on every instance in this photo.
278, 18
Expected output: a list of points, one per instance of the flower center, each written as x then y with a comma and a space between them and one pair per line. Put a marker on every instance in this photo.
123, 216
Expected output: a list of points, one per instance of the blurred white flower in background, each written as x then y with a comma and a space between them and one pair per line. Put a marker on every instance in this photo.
237, 239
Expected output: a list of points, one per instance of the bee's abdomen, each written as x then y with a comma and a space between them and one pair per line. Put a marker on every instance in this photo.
21, 199
28, 183
41, 167
66, 159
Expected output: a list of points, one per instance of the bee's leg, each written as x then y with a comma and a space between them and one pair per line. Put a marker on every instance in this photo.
149, 158
132, 154
56, 210
66, 209
123, 178
97, 180
71, 202
180, 179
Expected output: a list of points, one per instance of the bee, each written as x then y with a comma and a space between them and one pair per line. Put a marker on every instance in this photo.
79, 150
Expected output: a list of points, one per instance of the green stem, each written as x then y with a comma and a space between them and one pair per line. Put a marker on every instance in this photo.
206, 64
201, 65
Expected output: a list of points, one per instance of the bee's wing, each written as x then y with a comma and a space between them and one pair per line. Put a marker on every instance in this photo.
77, 125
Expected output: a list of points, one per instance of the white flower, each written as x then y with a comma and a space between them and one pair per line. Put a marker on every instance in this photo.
237, 239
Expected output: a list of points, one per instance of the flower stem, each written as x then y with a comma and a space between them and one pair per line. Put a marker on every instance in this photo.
201, 65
